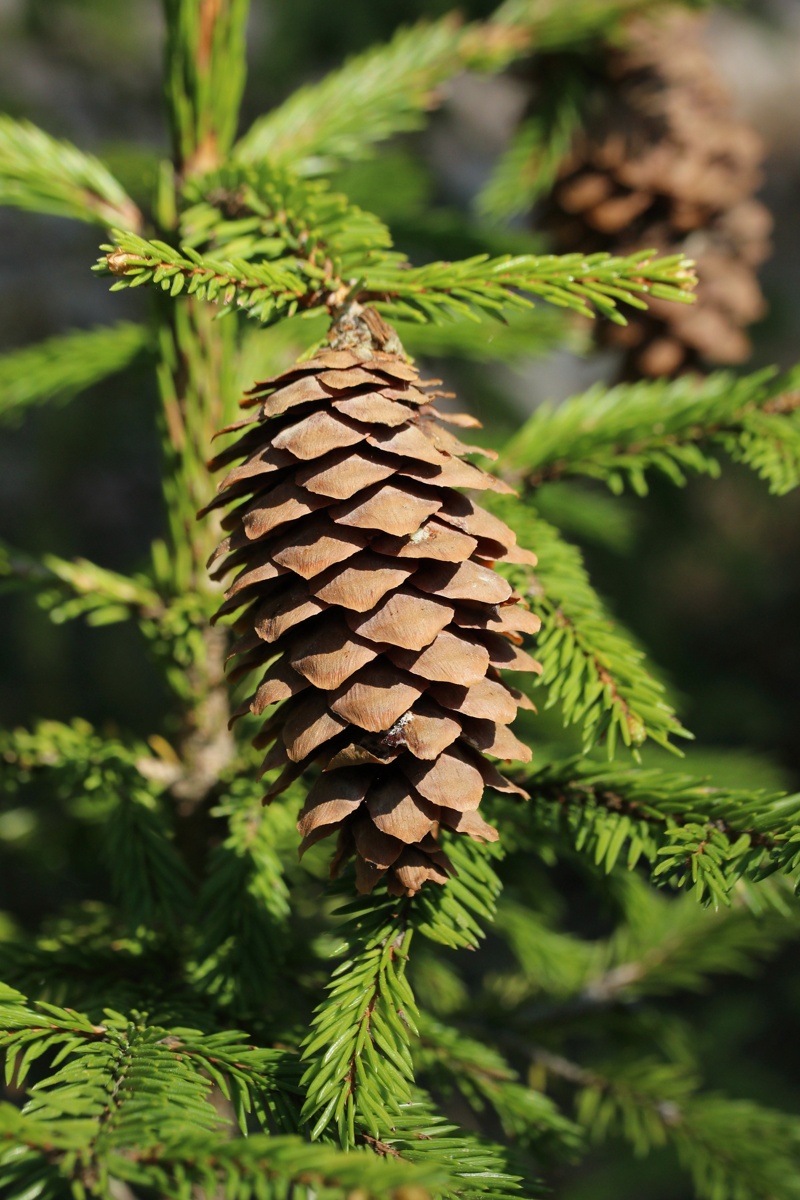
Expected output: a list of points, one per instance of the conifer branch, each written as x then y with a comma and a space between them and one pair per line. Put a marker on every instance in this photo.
530, 163
265, 212
224, 1059
668, 945
206, 68
69, 589
674, 427
592, 668
360, 1067
693, 835
665, 944
596, 283
273, 1167
126, 1091
263, 290
273, 288
42, 174
244, 903
730, 1147
477, 1168
384, 91
50, 1157
450, 1060
94, 960
116, 780
389, 89
68, 364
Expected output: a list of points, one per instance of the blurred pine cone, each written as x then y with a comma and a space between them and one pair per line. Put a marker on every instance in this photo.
367, 586
663, 163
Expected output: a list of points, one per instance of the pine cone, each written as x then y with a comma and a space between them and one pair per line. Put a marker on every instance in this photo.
367, 587
663, 163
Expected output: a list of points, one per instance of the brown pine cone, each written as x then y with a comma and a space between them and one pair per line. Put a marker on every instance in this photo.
664, 164
367, 587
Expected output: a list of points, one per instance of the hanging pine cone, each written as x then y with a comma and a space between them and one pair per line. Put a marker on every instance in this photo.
367, 587
663, 163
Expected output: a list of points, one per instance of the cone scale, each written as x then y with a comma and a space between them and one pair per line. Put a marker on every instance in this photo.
362, 575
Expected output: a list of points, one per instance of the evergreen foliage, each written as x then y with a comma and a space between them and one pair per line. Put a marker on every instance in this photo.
278, 287
63, 366
530, 163
677, 427
695, 836
591, 668
381, 92
39, 173
225, 1022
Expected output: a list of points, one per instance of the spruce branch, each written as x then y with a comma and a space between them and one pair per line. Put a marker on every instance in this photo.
731, 1148
182, 1165
669, 944
206, 67
360, 1068
91, 959
265, 212
664, 944
121, 784
595, 283
389, 89
530, 163
79, 588
450, 1060
266, 291
244, 1073
42, 174
273, 1168
68, 364
244, 902
128, 1091
272, 288
477, 1168
357, 1050
591, 667
676, 427
131, 1060
384, 91
693, 835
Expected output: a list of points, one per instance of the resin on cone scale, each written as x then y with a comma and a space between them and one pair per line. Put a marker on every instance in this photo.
366, 593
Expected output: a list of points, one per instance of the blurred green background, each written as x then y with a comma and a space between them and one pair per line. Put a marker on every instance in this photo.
707, 576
